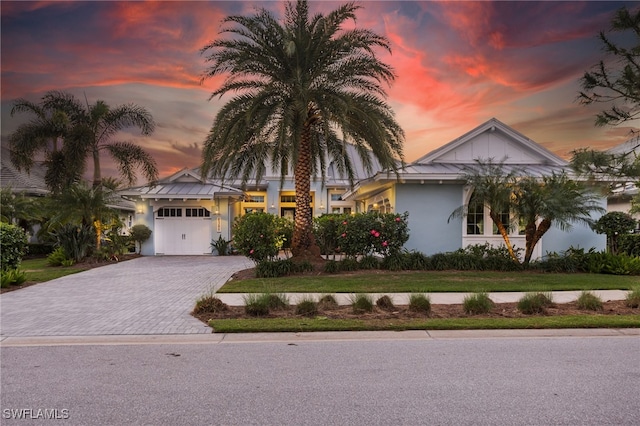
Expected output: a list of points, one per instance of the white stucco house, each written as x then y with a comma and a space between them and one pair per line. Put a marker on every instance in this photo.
187, 211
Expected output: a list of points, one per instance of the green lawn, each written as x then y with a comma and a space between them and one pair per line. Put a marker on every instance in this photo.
255, 325
37, 270
447, 281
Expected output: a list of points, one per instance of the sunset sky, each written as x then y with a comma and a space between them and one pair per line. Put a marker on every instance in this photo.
458, 64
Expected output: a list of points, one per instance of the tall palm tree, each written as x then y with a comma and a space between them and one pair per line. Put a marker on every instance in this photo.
303, 89
85, 131
492, 186
553, 200
44, 136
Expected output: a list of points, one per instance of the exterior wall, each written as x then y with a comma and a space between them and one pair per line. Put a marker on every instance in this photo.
429, 207
579, 236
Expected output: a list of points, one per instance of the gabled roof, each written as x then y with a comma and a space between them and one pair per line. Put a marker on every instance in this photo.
492, 140
31, 183
184, 184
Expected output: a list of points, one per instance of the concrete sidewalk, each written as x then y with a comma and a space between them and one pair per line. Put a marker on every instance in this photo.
236, 299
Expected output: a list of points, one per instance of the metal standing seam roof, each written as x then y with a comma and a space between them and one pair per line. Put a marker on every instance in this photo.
456, 170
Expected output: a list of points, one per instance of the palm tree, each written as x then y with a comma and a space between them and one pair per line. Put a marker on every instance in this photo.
44, 135
493, 187
553, 200
80, 204
84, 131
303, 89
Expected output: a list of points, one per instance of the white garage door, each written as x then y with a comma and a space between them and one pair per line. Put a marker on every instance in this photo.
182, 231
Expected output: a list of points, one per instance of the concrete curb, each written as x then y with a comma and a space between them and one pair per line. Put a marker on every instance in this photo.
293, 338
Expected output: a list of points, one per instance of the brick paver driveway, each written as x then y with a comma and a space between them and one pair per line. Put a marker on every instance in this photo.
148, 295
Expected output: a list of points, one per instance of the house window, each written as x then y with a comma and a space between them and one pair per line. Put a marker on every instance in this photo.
169, 212
253, 210
475, 219
197, 212
336, 197
287, 198
255, 199
346, 210
335, 210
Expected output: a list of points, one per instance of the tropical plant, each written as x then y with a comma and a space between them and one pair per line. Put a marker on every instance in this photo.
554, 200
79, 132
493, 185
20, 209
615, 80
13, 241
45, 134
139, 234
80, 204
613, 225
305, 89
75, 241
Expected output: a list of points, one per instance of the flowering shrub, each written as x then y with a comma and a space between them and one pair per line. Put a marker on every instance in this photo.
363, 233
260, 236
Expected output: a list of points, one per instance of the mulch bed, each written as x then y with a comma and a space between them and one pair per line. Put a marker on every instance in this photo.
500, 310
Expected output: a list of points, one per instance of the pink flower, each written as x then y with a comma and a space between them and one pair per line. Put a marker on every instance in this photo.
377, 234
261, 236
344, 235
384, 244
398, 219
344, 223
251, 251
373, 232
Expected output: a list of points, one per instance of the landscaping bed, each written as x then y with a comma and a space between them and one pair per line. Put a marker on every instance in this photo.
402, 313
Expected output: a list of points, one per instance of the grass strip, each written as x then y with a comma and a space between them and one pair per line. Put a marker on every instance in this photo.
38, 271
431, 281
261, 325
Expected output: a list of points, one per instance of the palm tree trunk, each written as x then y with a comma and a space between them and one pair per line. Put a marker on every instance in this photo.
304, 244
534, 237
505, 235
97, 174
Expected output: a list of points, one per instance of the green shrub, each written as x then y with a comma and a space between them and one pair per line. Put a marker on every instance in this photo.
209, 304
307, 307
368, 262
12, 277
477, 303
362, 303
608, 263
327, 302
633, 298
39, 249
348, 264
535, 303
393, 262
276, 302
221, 247
629, 244
139, 234
420, 303
76, 241
281, 268
614, 224
260, 236
13, 244
57, 257
589, 301
417, 261
385, 302
256, 305
331, 267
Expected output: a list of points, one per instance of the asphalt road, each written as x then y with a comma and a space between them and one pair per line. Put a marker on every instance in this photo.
461, 381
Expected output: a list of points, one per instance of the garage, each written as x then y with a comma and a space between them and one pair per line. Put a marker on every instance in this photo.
182, 231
